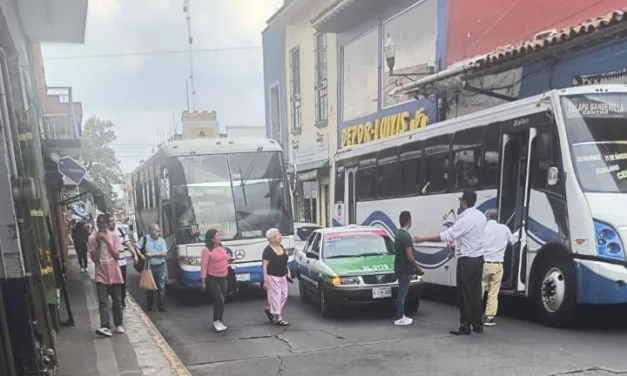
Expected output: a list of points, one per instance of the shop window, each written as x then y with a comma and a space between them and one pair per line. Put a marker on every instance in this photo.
322, 101
467, 159
491, 154
414, 51
360, 86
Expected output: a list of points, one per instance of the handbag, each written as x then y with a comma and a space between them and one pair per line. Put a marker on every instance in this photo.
146, 280
140, 264
231, 282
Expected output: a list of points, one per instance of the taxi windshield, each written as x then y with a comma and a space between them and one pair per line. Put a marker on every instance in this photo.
356, 245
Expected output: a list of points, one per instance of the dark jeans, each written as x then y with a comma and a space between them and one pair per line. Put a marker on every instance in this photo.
104, 292
123, 286
81, 253
469, 299
159, 274
403, 289
217, 288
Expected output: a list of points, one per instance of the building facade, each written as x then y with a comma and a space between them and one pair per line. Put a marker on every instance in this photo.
273, 40
309, 82
239, 131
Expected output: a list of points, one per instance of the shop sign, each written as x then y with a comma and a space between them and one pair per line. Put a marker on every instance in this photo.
308, 152
384, 127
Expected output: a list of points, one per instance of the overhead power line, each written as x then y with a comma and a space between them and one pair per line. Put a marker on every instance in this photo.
148, 53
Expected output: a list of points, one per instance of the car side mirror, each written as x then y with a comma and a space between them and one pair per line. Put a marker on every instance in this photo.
312, 255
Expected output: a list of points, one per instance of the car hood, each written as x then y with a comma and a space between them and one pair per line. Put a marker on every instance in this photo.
361, 265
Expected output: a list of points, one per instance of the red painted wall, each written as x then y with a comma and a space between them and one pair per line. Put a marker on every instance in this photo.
476, 27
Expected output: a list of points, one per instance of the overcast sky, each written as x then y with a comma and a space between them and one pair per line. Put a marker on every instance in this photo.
143, 94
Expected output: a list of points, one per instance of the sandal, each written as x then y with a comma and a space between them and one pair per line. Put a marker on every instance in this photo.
281, 323
269, 315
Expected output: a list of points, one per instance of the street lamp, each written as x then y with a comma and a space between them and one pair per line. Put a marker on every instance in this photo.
390, 53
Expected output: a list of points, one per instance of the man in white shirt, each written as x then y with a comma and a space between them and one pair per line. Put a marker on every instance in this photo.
497, 237
468, 233
127, 245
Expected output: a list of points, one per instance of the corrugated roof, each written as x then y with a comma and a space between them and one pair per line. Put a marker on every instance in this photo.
547, 39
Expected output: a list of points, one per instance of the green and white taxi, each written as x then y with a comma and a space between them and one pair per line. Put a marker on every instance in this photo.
350, 265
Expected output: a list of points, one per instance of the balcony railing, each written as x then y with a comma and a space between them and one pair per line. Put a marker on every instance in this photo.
59, 127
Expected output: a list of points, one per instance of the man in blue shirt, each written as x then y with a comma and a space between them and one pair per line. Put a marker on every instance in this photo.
156, 250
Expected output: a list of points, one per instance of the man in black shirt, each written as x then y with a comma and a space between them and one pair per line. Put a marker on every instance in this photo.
405, 266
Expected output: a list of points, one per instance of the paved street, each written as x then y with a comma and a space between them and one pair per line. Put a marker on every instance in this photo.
363, 341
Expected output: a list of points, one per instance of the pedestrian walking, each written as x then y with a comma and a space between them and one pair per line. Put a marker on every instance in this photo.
497, 237
80, 235
276, 275
405, 266
214, 270
468, 233
126, 244
103, 246
155, 251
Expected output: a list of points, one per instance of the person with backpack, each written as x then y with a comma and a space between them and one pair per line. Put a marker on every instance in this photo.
154, 249
126, 245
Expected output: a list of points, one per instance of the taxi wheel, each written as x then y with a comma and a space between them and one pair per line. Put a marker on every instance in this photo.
304, 297
325, 307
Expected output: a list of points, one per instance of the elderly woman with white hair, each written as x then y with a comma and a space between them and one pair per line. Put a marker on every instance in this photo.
276, 275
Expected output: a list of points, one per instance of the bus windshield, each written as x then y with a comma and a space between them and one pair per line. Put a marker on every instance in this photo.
241, 202
596, 126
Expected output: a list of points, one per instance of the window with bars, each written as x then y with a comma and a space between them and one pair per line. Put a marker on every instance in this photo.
295, 99
322, 101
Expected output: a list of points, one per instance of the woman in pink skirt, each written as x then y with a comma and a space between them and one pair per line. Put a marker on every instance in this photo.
276, 275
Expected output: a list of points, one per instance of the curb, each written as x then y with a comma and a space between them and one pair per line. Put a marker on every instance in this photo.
175, 363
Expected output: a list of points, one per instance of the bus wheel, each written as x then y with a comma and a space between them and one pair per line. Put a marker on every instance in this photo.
555, 291
304, 297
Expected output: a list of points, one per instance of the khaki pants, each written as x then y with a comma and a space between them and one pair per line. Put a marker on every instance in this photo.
492, 276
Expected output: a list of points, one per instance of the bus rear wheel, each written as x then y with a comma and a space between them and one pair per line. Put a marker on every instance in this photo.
555, 291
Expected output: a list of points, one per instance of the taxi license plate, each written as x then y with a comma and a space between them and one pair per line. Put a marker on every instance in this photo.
381, 292
242, 277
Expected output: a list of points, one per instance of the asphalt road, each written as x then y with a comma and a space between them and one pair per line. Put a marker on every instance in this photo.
362, 340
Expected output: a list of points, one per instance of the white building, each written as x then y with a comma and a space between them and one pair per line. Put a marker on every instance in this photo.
310, 77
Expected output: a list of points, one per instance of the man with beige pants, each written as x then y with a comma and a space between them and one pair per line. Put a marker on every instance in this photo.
497, 237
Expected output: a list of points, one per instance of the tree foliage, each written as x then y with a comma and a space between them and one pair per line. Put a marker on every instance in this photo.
99, 158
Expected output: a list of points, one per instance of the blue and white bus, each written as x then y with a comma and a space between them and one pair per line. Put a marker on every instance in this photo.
237, 186
554, 165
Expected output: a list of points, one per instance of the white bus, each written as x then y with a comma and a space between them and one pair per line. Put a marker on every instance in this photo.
555, 166
237, 186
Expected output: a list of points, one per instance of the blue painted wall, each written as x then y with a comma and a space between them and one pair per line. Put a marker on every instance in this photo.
376, 20
541, 77
273, 40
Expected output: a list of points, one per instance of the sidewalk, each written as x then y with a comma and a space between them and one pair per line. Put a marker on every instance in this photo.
142, 351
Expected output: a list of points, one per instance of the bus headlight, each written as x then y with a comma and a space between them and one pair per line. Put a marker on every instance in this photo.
191, 261
608, 242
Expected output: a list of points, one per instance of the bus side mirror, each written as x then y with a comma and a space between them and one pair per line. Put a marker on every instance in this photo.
553, 176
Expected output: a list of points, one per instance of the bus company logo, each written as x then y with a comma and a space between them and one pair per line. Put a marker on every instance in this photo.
520, 122
239, 254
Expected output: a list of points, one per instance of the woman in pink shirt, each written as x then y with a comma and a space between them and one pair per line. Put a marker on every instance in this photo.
214, 269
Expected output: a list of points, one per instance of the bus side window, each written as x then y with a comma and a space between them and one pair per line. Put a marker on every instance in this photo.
388, 176
466, 158
491, 154
542, 161
410, 160
366, 178
437, 150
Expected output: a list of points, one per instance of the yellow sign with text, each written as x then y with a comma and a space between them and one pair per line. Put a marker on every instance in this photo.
383, 127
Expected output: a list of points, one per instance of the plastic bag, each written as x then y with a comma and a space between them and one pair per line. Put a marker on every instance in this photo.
146, 280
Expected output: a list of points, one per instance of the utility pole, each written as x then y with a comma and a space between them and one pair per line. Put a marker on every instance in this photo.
191, 58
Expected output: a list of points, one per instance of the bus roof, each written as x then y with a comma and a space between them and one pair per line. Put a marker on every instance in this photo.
511, 110
202, 146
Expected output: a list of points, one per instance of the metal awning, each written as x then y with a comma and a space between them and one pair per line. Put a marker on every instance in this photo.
544, 45
342, 14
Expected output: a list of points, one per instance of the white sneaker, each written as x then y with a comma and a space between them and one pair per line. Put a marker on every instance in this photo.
105, 332
224, 327
120, 329
403, 321
218, 327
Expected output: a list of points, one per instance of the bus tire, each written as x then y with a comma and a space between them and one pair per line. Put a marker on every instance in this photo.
555, 291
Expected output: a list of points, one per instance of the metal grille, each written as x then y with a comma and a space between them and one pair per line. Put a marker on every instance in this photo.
379, 278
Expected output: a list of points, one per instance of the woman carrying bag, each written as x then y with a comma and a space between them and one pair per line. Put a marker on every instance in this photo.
276, 275
214, 271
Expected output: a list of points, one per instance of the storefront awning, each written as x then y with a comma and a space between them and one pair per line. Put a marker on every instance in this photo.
544, 45
309, 171
343, 14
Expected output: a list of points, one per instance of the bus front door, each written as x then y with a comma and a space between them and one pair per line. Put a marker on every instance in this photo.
513, 198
